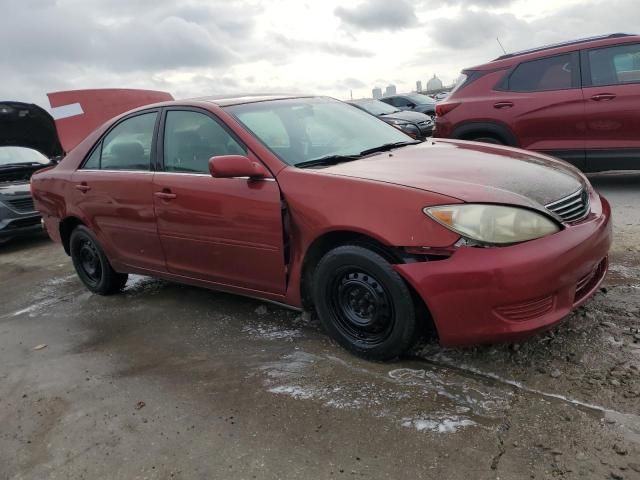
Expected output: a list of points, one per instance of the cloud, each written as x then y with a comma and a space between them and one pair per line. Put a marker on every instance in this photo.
472, 28
332, 48
472, 3
379, 15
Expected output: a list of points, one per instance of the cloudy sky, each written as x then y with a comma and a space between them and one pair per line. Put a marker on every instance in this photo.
201, 47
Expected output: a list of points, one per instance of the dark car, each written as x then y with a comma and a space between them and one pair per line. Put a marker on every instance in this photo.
412, 101
312, 203
27, 139
578, 101
418, 125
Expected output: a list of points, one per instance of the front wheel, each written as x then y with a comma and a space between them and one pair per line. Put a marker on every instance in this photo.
364, 304
92, 265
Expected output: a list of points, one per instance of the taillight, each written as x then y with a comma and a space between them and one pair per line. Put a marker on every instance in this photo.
443, 108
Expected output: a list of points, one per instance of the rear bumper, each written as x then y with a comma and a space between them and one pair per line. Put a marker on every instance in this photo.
504, 294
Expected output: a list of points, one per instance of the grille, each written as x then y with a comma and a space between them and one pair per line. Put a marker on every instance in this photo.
587, 283
571, 208
528, 310
23, 222
21, 204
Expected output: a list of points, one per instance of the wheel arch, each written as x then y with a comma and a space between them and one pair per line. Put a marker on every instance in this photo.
470, 130
66, 227
332, 239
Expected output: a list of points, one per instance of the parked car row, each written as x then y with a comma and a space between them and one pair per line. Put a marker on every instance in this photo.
418, 125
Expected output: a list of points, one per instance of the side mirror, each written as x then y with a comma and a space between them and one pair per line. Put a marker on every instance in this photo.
411, 105
230, 166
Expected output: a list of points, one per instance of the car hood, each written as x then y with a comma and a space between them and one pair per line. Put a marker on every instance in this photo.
415, 117
28, 125
471, 172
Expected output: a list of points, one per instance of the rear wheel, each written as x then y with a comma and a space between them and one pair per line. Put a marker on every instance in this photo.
92, 265
363, 303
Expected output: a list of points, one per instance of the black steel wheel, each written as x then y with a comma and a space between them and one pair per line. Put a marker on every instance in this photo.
363, 303
92, 265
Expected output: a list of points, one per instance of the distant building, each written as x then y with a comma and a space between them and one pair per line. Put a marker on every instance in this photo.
434, 84
418, 86
390, 90
376, 92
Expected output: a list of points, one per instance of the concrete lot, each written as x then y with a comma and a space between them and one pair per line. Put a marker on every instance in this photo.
169, 382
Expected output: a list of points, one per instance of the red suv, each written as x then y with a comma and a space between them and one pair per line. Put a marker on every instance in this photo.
579, 101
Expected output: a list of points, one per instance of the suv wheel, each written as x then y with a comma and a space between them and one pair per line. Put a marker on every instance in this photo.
92, 265
363, 303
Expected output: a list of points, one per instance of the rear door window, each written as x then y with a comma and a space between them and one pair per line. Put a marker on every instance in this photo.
617, 65
552, 73
126, 147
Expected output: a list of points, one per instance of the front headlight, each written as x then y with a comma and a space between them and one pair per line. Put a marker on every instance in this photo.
493, 224
400, 122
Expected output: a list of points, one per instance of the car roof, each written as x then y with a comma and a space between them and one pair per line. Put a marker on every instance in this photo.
239, 99
558, 48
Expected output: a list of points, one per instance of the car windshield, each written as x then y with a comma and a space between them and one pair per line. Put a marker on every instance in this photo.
376, 107
420, 99
21, 155
303, 130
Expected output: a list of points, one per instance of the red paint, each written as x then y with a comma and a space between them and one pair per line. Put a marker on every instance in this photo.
98, 106
229, 233
596, 128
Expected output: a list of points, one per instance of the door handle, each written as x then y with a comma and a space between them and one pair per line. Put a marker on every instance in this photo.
165, 195
603, 97
83, 187
501, 105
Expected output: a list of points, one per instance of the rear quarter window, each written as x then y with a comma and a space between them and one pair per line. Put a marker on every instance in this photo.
545, 74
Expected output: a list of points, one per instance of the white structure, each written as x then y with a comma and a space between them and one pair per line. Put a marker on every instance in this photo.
376, 92
390, 90
434, 84
419, 86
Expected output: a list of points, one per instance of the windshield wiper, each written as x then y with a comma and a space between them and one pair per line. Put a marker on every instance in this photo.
21, 164
328, 160
388, 146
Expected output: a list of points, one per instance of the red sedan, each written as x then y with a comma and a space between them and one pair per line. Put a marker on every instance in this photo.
312, 203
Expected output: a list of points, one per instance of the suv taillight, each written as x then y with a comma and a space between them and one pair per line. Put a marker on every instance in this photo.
443, 108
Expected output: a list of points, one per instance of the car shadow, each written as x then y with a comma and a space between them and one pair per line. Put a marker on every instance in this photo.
24, 243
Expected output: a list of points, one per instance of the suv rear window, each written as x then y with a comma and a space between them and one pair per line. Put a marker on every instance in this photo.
552, 73
615, 65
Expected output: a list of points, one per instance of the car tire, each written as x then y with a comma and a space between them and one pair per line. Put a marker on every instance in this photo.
92, 265
364, 304
492, 140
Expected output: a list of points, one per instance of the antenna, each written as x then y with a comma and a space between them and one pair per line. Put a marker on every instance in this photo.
499, 43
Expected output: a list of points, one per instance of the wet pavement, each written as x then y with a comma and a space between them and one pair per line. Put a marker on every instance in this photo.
168, 381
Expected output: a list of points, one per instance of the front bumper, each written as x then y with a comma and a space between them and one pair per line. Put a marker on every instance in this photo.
16, 221
486, 295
